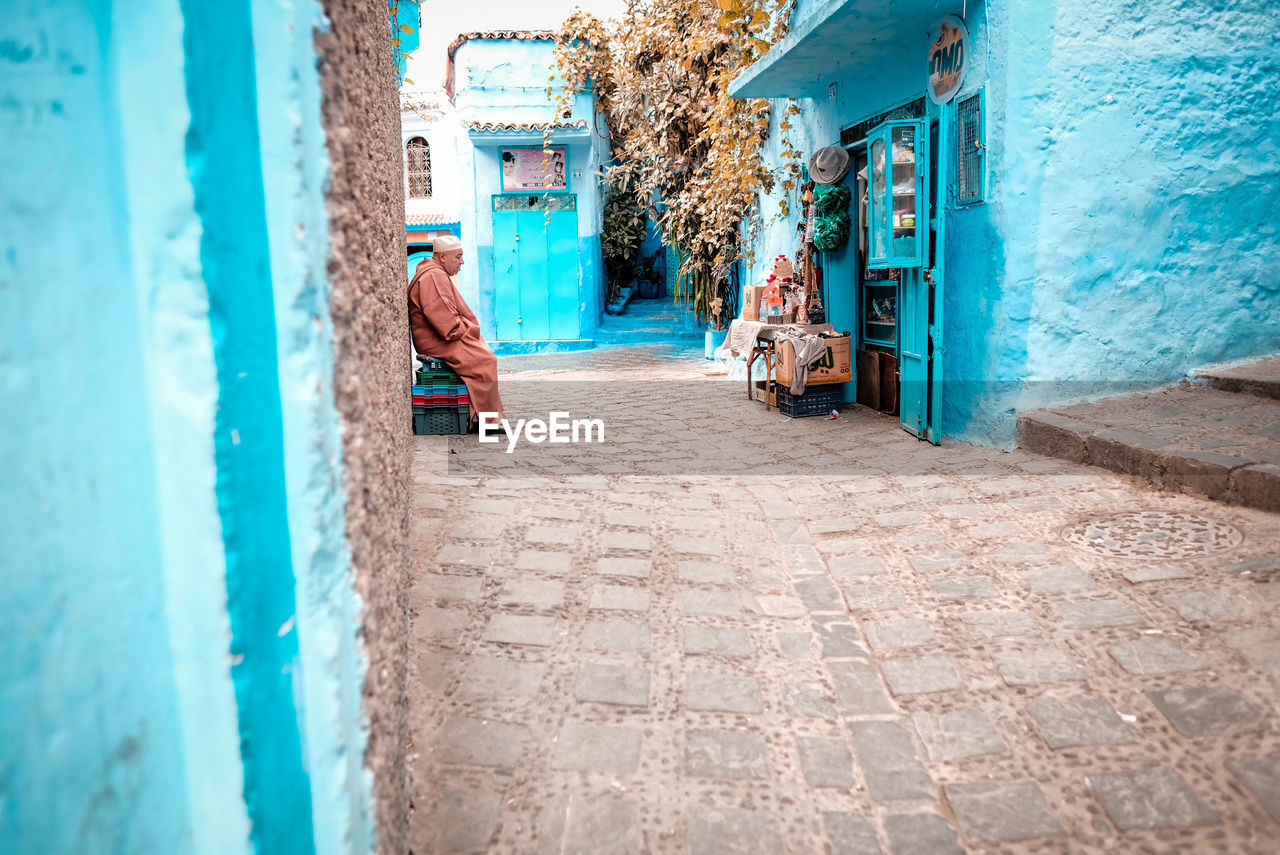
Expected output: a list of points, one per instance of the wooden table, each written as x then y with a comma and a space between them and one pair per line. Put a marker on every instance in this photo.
763, 347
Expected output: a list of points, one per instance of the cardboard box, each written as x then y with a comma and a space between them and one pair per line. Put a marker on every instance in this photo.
835, 366
751, 302
764, 392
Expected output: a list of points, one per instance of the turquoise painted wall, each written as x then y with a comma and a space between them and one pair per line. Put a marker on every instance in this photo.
1126, 237
327, 613
1156, 249
181, 669
405, 21
95, 725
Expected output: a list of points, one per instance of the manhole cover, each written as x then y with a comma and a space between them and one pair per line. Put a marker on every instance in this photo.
1153, 534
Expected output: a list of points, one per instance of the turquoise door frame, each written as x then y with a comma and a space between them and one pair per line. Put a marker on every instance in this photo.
943, 123
535, 266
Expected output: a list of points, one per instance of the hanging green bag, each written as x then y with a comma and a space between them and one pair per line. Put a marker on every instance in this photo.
831, 233
831, 199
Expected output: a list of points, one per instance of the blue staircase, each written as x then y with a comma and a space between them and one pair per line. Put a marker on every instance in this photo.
649, 322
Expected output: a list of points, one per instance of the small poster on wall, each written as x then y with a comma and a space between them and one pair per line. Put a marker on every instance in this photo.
523, 169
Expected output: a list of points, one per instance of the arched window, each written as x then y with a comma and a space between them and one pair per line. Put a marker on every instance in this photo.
419, 167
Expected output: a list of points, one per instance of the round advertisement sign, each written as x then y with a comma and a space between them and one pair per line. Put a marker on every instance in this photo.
948, 58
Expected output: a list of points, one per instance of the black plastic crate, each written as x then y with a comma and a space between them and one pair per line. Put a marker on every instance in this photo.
434, 421
435, 371
816, 401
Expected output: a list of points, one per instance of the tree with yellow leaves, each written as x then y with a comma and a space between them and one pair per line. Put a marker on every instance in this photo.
691, 154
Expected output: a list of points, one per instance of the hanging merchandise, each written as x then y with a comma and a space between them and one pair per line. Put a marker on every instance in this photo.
829, 164
832, 199
810, 309
831, 232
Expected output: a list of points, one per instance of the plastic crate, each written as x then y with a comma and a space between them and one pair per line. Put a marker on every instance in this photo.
428, 421
439, 389
816, 401
429, 364
436, 377
440, 400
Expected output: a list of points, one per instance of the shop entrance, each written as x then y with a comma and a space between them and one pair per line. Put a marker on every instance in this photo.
898, 288
535, 260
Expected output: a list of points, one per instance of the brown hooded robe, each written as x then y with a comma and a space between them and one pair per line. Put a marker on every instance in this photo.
444, 328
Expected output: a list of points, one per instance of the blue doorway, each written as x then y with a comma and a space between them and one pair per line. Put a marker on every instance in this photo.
535, 261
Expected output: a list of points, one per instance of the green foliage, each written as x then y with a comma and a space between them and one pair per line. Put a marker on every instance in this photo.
649, 268
624, 228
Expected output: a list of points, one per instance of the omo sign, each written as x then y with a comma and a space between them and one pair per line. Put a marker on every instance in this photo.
948, 58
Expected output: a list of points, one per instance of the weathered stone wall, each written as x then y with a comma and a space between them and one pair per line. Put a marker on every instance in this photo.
366, 272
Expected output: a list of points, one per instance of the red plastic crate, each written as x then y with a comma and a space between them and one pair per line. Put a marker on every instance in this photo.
440, 400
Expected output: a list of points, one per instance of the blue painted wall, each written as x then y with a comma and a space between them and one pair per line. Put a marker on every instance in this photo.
92, 746
331, 663
1127, 235
172, 460
1156, 248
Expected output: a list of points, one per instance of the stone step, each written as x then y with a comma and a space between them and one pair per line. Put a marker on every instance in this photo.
629, 320
1184, 438
1257, 377
558, 345
647, 336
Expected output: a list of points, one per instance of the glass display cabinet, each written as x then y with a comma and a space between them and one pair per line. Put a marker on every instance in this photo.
898, 205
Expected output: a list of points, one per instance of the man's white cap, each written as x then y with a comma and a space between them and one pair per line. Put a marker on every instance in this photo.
445, 243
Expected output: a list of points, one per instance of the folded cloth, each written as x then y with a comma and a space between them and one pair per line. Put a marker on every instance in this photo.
742, 336
808, 350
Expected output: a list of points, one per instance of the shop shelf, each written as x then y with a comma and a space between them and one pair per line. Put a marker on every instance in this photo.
816, 401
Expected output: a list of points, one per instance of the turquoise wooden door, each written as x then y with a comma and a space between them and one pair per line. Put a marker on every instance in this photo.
910, 225
535, 260
414, 260
913, 356
563, 275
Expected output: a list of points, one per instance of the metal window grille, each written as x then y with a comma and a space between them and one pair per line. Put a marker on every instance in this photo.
857, 133
971, 149
530, 202
419, 168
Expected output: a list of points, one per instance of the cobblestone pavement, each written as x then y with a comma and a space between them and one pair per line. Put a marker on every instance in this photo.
723, 631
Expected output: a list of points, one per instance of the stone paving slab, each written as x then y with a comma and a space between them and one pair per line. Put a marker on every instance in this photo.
1003, 811
667, 645
1149, 798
